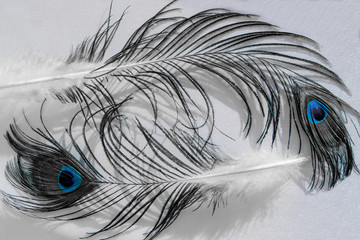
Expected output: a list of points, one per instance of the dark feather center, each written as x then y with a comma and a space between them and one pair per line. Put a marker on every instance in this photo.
66, 179
318, 113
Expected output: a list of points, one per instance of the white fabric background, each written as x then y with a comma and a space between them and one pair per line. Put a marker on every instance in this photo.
52, 27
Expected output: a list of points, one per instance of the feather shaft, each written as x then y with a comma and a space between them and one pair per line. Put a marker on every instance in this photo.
239, 169
45, 79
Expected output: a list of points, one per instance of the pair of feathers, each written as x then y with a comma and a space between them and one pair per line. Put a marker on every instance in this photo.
141, 133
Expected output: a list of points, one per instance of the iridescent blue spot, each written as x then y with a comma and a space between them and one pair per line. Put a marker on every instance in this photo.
316, 111
69, 179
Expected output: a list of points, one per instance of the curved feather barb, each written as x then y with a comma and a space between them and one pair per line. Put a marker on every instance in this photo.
141, 137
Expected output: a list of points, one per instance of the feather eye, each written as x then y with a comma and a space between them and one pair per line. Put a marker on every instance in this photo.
316, 111
144, 125
46, 171
330, 141
69, 179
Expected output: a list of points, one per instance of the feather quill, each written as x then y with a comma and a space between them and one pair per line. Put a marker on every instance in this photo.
141, 138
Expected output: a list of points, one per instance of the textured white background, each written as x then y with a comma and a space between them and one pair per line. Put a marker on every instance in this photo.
52, 27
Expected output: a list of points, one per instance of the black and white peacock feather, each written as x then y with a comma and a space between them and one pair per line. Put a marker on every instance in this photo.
141, 141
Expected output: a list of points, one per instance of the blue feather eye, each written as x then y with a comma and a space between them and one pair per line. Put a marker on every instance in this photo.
316, 111
69, 179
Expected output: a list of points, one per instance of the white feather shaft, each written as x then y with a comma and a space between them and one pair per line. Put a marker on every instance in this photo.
45, 79
238, 169
83, 74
